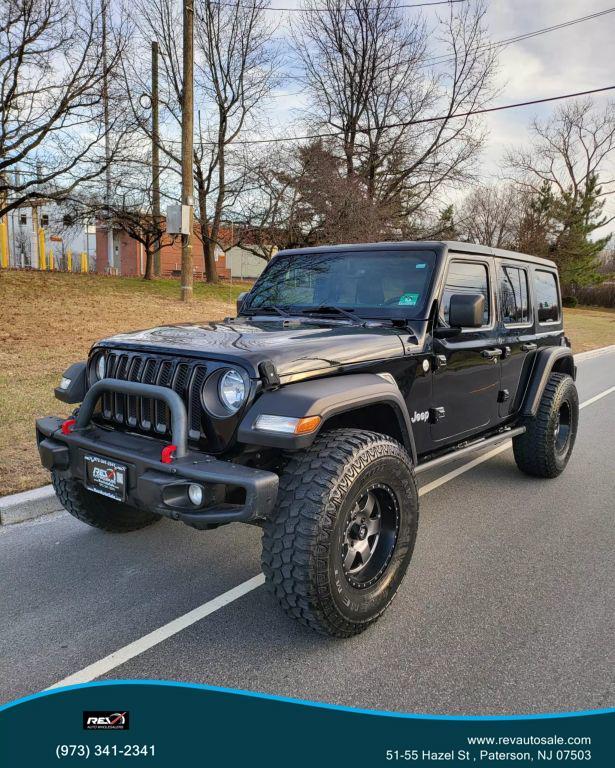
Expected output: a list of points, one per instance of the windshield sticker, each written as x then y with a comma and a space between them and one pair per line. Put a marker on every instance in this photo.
420, 266
409, 299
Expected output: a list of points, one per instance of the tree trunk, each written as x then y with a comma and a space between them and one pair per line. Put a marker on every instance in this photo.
209, 254
209, 246
149, 264
211, 273
217, 217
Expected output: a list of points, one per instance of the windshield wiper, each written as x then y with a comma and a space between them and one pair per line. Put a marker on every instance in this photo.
328, 309
268, 310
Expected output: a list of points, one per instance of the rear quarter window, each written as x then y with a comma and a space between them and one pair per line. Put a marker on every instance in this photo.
514, 295
547, 296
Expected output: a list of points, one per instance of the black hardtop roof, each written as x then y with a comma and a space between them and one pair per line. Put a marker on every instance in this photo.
436, 245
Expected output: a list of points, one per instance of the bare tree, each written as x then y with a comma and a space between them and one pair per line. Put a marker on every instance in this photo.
236, 69
129, 207
567, 150
52, 127
367, 70
491, 215
562, 168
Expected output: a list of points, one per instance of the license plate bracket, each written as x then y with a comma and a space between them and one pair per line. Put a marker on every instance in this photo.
105, 477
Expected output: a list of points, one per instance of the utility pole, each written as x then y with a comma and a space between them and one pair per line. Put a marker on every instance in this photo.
187, 276
155, 155
105, 101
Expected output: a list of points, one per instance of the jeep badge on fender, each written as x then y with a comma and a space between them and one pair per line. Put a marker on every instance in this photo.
347, 372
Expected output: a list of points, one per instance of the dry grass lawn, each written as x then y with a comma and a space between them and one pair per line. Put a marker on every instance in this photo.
590, 327
48, 321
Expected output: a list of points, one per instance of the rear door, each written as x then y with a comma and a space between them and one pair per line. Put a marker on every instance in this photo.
517, 332
466, 380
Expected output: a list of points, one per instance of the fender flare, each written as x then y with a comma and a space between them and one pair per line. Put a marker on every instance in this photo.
74, 392
547, 360
325, 398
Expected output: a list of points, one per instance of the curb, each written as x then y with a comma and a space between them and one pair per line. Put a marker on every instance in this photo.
29, 505
595, 352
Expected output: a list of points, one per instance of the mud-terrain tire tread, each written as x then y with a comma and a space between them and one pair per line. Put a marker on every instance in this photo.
534, 450
299, 529
98, 511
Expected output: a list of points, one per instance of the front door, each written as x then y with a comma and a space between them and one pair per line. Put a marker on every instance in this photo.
466, 380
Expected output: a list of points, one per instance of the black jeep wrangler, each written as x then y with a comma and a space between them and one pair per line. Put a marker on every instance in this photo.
347, 371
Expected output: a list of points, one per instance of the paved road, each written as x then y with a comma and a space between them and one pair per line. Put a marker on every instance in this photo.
508, 607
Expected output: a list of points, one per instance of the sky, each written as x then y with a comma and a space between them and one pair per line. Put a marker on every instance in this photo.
572, 59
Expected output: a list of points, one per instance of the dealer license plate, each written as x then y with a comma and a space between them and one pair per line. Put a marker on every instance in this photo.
105, 477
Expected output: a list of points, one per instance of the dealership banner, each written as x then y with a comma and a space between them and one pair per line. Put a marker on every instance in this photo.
173, 724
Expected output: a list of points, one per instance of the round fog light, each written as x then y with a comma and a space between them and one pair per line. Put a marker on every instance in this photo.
195, 494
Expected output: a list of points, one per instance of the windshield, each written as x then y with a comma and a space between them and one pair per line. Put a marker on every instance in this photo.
388, 284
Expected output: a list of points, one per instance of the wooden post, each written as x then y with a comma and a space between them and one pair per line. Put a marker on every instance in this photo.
69, 260
187, 276
155, 155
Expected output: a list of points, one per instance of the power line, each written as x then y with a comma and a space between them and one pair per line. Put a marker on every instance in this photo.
325, 10
444, 58
406, 124
436, 60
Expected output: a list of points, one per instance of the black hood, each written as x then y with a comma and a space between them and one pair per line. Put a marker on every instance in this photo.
296, 349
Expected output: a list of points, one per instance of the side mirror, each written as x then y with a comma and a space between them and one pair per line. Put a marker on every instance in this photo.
466, 310
240, 300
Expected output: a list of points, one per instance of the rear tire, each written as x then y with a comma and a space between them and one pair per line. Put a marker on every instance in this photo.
545, 447
98, 511
338, 544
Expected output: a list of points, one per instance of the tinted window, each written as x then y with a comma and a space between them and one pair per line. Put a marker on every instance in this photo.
375, 283
545, 288
466, 277
514, 295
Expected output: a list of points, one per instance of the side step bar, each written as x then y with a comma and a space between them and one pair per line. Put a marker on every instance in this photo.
461, 452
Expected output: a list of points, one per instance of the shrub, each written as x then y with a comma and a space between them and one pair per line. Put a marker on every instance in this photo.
570, 301
597, 295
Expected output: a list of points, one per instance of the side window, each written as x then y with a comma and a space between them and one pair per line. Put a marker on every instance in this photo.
514, 300
545, 288
466, 277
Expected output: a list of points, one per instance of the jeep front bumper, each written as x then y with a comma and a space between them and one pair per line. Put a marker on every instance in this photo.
232, 492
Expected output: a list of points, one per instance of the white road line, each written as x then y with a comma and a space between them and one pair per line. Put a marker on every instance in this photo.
136, 648
597, 397
464, 468
148, 641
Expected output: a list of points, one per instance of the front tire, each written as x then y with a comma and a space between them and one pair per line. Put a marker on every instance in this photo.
546, 446
338, 544
99, 511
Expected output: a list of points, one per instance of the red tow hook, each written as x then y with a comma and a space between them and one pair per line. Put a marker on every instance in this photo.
167, 454
68, 426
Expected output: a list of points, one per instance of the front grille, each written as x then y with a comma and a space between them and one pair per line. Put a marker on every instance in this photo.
144, 414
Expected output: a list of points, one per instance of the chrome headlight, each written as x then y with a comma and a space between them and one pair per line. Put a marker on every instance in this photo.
232, 390
101, 367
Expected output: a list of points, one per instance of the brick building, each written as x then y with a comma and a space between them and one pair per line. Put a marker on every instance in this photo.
125, 256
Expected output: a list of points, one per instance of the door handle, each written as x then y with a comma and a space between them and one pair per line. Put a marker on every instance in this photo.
491, 354
529, 347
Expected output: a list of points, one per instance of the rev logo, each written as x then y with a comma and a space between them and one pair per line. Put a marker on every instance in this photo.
105, 721
103, 474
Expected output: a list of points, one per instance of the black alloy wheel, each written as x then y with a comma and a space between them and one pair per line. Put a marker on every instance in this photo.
370, 536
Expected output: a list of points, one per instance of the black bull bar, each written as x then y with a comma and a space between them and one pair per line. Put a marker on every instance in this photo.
157, 477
